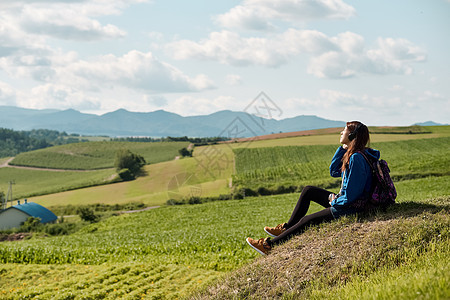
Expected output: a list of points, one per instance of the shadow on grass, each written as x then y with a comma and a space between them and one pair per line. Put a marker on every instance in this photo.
408, 209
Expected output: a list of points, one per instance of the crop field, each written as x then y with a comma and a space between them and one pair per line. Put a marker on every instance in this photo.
208, 177
382, 135
167, 251
96, 155
297, 165
172, 251
29, 183
151, 252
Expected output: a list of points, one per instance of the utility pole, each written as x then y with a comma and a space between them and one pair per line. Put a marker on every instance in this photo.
9, 196
3, 201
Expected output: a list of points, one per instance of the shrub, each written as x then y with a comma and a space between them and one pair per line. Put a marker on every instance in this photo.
126, 174
58, 229
244, 192
88, 215
185, 152
264, 191
125, 159
174, 202
32, 224
194, 200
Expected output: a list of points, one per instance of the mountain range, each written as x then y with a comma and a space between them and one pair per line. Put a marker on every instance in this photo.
158, 123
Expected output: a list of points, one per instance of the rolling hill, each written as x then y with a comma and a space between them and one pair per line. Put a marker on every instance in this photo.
158, 123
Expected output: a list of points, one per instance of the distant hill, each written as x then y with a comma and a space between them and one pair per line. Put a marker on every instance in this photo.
159, 123
430, 123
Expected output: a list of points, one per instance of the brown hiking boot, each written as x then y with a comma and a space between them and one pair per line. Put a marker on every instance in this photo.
275, 231
260, 245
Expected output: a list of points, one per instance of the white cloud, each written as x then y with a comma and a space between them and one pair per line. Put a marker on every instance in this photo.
230, 48
7, 94
138, 70
65, 23
373, 109
342, 56
390, 56
233, 80
64, 19
258, 14
59, 96
189, 105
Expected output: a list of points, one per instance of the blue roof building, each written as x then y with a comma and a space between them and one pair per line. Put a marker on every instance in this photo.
16, 215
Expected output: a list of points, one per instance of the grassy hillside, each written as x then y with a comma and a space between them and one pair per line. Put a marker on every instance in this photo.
29, 183
172, 251
398, 255
154, 251
157, 186
95, 155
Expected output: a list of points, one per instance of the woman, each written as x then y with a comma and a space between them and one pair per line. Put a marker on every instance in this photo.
356, 174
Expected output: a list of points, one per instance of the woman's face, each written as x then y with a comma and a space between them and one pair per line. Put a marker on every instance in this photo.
344, 136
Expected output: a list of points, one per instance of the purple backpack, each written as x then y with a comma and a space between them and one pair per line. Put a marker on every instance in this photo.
383, 191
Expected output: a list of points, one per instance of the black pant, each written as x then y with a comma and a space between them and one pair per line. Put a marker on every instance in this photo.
298, 221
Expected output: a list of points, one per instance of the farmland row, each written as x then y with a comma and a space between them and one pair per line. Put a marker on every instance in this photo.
153, 252
95, 155
201, 235
301, 165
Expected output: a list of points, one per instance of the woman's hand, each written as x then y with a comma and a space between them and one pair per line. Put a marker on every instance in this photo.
331, 197
344, 146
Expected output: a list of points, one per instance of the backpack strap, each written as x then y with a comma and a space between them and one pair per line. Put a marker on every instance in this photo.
374, 171
367, 160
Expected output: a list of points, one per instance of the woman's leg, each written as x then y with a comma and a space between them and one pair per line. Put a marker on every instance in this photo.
309, 193
312, 219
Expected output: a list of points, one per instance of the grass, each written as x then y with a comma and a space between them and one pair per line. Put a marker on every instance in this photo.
172, 251
95, 155
121, 280
333, 139
157, 185
301, 165
206, 240
425, 278
30, 183
352, 259
183, 247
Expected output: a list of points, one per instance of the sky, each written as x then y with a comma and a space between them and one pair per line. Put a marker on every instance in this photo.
380, 62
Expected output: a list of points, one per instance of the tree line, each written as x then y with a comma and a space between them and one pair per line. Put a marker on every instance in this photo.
195, 140
14, 142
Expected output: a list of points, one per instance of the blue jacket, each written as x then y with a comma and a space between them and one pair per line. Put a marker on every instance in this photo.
356, 182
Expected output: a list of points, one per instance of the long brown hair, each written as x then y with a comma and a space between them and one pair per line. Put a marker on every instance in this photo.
359, 143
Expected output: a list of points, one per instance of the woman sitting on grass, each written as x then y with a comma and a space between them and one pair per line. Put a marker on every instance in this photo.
356, 184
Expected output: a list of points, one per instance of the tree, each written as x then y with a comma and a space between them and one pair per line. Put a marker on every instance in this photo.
88, 215
126, 160
185, 152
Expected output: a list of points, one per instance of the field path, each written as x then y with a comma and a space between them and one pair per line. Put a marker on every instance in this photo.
7, 165
125, 211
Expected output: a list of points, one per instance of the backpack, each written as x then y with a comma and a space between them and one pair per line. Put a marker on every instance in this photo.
383, 192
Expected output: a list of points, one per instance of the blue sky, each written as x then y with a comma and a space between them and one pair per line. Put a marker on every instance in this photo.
381, 62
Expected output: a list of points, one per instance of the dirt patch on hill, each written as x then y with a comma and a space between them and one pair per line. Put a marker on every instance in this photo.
14, 237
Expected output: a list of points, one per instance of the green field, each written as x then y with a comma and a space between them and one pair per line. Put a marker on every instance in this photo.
322, 138
95, 155
302, 165
153, 251
212, 178
29, 183
173, 251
